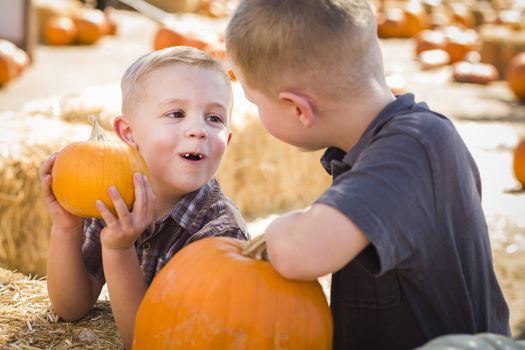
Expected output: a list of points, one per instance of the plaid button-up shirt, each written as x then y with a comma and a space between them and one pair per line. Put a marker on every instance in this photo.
203, 213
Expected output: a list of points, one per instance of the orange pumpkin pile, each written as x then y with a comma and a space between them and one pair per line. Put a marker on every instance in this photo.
401, 20
214, 295
83, 172
13, 61
84, 27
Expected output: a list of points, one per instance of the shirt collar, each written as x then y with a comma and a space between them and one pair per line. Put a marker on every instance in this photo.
188, 210
336, 160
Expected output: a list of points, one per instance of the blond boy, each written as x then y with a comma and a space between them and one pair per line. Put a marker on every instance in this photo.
176, 105
401, 228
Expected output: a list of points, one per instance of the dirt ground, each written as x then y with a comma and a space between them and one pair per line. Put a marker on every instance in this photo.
488, 117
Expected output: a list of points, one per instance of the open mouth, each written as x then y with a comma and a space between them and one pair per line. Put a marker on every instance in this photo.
192, 156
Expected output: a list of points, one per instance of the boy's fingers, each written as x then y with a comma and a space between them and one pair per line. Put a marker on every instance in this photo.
120, 207
45, 169
108, 217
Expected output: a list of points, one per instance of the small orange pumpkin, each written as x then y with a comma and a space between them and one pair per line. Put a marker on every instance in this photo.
83, 171
91, 26
214, 295
391, 22
60, 30
429, 39
8, 66
516, 75
416, 19
168, 35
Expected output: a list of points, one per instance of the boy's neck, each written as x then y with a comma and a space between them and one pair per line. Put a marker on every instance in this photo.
347, 122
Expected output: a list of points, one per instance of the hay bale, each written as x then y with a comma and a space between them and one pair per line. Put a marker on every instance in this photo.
24, 224
103, 102
499, 44
27, 322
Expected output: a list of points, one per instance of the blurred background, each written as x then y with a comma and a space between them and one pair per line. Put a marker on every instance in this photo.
61, 62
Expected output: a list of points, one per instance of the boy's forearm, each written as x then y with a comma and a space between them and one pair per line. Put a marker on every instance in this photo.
70, 286
126, 288
310, 244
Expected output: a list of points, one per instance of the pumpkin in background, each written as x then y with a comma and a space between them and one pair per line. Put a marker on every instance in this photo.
8, 67
429, 39
518, 163
459, 42
431, 59
391, 22
476, 73
91, 25
83, 171
462, 15
60, 30
169, 35
516, 75
216, 294
416, 19
13, 61
481, 341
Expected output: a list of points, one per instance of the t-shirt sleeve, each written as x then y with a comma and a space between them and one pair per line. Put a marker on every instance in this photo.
92, 249
388, 194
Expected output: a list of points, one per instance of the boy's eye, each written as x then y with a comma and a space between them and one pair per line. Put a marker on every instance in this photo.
175, 114
215, 118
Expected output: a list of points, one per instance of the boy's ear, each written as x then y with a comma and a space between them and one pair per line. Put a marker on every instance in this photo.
124, 131
303, 107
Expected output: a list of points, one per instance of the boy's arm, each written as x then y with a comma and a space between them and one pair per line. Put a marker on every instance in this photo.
126, 288
307, 245
72, 290
126, 285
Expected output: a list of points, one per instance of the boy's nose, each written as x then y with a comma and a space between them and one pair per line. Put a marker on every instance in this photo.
196, 132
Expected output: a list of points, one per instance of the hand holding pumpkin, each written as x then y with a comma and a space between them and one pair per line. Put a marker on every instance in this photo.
122, 230
62, 220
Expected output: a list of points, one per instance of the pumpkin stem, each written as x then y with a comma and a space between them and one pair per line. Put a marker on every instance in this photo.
97, 134
256, 248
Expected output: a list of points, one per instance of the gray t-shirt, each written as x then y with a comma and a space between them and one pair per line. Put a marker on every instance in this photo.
412, 187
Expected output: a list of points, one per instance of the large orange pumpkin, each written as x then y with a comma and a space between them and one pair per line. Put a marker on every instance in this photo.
518, 163
83, 171
212, 295
516, 75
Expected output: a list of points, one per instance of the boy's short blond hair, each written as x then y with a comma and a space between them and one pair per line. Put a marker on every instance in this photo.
143, 66
329, 46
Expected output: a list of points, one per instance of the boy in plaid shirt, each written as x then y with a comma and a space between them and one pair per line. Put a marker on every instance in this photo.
176, 104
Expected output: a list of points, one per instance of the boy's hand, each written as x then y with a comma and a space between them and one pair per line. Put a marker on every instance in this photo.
62, 220
122, 231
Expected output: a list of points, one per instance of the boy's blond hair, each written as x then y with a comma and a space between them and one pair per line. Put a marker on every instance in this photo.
143, 66
329, 46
